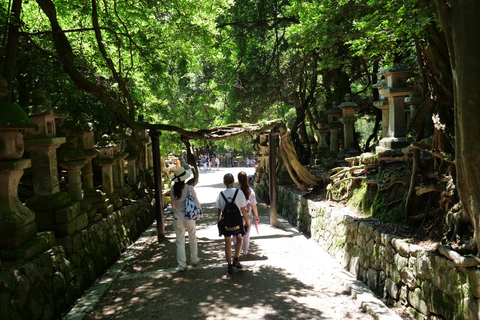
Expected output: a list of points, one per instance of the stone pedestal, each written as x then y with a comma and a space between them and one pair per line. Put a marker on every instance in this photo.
74, 178
17, 222
348, 132
322, 132
334, 132
334, 125
384, 106
132, 172
348, 120
44, 164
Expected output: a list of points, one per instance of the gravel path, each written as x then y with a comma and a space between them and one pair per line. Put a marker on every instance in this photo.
284, 276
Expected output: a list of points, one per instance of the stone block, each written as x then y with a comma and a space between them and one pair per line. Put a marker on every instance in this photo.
372, 279
416, 301
95, 197
48, 203
67, 213
437, 301
386, 238
392, 288
92, 213
401, 247
106, 211
423, 266
354, 265
42, 242
66, 229
44, 218
101, 205
14, 238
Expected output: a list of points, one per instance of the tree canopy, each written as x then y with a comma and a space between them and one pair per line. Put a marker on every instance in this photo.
205, 70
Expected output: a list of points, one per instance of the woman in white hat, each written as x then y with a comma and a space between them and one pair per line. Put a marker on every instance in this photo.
178, 195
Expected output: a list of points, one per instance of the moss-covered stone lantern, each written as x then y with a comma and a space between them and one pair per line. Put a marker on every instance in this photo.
17, 222
334, 125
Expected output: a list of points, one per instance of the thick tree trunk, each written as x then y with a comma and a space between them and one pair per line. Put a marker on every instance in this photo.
464, 49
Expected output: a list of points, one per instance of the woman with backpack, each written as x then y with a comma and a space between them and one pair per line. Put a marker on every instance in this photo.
231, 205
251, 206
178, 194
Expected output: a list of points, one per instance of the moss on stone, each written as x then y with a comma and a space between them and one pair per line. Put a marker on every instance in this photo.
13, 116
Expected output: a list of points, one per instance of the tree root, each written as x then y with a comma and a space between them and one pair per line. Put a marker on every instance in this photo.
390, 185
330, 188
430, 188
458, 259
294, 167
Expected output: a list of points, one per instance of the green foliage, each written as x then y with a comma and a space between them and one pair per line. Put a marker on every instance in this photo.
364, 127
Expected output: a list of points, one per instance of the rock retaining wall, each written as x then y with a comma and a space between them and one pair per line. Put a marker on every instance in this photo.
405, 275
47, 286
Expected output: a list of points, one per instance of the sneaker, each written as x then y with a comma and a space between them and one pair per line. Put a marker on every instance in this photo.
236, 263
230, 269
245, 252
181, 268
195, 262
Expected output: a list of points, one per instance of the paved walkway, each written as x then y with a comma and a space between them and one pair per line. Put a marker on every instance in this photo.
285, 276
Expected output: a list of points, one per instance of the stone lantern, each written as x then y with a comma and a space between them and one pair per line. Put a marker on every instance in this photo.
118, 170
17, 222
76, 158
106, 160
42, 143
348, 120
334, 125
395, 91
132, 158
54, 208
322, 132
414, 100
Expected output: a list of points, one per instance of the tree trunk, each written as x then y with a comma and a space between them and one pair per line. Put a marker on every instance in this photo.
464, 49
12, 43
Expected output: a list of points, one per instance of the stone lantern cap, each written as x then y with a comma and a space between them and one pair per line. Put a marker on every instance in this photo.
12, 116
106, 147
395, 76
334, 113
82, 124
40, 112
322, 120
348, 106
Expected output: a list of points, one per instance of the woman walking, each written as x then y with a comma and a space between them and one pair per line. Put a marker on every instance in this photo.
251, 206
178, 195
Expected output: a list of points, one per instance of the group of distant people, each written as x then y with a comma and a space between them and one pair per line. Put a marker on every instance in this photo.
239, 201
207, 163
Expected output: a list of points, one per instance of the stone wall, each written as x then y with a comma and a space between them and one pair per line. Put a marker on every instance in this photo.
405, 275
47, 286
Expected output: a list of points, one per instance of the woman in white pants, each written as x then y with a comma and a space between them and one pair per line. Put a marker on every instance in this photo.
252, 212
178, 194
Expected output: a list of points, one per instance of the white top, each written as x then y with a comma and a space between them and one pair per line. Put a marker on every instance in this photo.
178, 205
239, 200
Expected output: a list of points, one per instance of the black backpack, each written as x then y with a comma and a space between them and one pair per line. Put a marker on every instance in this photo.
231, 220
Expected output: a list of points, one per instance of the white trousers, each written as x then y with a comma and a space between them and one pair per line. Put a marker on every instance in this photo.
180, 227
246, 237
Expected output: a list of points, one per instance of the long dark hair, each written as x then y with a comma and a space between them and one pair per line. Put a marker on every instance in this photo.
177, 189
243, 183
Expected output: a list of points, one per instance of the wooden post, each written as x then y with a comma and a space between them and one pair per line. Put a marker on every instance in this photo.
272, 161
157, 174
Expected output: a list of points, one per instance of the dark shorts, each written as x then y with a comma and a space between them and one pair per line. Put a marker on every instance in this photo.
223, 232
